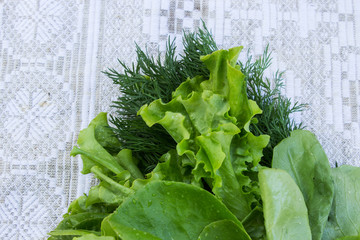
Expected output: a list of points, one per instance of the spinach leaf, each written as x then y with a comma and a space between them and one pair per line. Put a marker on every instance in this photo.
344, 218
302, 156
168, 210
285, 211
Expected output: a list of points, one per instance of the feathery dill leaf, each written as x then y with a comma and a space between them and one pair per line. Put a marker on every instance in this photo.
197, 44
147, 80
275, 119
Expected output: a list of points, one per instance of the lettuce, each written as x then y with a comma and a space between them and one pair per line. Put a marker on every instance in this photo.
209, 118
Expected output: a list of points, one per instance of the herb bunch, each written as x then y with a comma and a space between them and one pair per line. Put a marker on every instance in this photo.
153, 78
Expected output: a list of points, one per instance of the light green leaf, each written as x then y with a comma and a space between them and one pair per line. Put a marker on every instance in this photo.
285, 211
302, 156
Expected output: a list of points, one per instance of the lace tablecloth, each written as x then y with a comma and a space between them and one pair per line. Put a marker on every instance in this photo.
52, 54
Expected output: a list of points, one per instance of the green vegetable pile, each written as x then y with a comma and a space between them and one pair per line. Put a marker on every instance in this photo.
210, 180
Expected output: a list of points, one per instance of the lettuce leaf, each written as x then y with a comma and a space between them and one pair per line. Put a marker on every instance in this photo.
285, 212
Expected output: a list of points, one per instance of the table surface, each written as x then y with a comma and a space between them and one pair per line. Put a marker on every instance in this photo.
51, 86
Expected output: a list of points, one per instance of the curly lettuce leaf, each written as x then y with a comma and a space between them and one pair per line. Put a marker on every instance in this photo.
302, 156
203, 117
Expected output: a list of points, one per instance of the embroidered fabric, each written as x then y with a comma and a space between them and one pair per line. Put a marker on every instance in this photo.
51, 86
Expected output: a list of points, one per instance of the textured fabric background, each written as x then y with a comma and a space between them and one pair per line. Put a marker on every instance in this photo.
52, 54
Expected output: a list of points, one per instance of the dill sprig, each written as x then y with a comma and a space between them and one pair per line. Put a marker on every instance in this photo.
152, 78
275, 119
197, 44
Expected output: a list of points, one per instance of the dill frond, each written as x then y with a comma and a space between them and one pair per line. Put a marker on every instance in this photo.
197, 44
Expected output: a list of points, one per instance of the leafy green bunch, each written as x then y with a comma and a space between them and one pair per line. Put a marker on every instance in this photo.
211, 185
153, 78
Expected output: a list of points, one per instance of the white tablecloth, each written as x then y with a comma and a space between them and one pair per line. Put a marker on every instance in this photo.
52, 54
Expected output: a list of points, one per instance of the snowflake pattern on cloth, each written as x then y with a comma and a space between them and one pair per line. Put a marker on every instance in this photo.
51, 86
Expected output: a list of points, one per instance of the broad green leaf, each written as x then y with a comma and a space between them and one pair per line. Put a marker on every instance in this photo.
285, 211
92, 152
223, 230
344, 218
302, 156
168, 210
